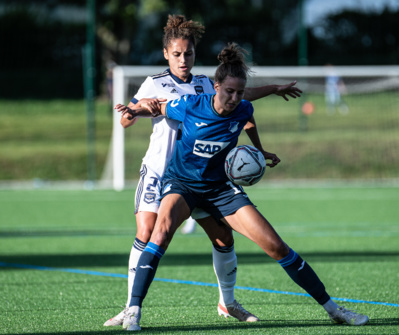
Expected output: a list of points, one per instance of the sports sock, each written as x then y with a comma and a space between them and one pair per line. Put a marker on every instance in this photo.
225, 266
189, 226
330, 307
135, 253
145, 272
302, 274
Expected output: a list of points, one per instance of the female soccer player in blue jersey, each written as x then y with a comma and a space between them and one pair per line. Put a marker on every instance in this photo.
179, 41
195, 178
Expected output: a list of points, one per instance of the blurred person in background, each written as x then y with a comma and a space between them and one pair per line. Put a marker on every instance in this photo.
334, 89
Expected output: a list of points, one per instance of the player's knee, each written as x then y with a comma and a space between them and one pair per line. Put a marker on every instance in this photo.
144, 233
145, 225
278, 250
219, 233
224, 240
162, 234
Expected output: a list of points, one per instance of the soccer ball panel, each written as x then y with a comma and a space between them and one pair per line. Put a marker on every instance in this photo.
245, 165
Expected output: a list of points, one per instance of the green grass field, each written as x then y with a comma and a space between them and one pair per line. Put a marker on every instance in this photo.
350, 236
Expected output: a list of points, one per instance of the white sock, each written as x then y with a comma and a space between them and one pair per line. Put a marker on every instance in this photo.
189, 226
225, 266
330, 307
136, 310
135, 253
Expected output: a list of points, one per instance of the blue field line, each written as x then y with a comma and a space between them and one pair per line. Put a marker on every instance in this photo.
187, 282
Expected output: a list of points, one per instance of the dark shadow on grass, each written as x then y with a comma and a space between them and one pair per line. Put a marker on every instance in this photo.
227, 327
384, 322
174, 259
222, 328
265, 325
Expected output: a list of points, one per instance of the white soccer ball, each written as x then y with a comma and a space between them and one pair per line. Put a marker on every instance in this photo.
245, 165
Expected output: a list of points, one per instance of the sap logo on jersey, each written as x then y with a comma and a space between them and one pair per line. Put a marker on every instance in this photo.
208, 148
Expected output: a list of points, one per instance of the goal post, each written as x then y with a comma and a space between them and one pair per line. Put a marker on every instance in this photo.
311, 79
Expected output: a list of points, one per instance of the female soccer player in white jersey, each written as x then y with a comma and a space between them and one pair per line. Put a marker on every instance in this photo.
195, 180
179, 41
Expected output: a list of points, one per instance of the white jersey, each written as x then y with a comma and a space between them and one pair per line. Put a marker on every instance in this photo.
164, 131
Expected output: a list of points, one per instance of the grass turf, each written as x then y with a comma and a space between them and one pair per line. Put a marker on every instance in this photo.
350, 236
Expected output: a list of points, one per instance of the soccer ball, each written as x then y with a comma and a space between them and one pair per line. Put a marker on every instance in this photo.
245, 165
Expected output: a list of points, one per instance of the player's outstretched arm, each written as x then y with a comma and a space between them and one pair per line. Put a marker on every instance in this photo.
125, 122
128, 120
255, 93
252, 132
150, 108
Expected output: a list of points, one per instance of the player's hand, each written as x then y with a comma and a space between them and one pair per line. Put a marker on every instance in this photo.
290, 90
153, 105
125, 111
146, 100
273, 157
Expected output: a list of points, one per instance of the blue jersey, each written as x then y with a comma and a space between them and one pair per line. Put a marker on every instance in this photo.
206, 139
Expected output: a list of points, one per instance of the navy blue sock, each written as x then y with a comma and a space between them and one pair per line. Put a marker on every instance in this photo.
302, 274
145, 272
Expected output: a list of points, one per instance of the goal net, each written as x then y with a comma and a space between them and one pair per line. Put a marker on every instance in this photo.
344, 127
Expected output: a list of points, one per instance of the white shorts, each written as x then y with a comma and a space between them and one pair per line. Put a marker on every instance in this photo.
148, 194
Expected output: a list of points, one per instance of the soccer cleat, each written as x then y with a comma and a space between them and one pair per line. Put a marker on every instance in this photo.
116, 320
235, 310
343, 315
132, 319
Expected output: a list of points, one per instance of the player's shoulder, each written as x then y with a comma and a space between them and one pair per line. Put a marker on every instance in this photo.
246, 105
159, 76
202, 78
154, 80
246, 102
193, 98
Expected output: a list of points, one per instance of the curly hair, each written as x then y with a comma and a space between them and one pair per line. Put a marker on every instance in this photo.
179, 27
232, 63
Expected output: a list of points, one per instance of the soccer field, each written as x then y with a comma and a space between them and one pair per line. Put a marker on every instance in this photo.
64, 254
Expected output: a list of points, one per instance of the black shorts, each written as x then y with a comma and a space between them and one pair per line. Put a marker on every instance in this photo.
218, 200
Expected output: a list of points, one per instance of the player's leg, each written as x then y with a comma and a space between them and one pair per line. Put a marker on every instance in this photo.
225, 266
146, 208
248, 221
172, 212
145, 225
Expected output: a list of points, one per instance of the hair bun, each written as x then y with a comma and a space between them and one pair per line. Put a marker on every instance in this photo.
232, 63
232, 54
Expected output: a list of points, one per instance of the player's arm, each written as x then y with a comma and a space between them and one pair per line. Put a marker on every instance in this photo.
149, 108
252, 132
255, 93
125, 122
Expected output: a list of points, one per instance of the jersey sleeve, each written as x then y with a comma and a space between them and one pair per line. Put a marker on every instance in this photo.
248, 108
176, 109
146, 90
251, 109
